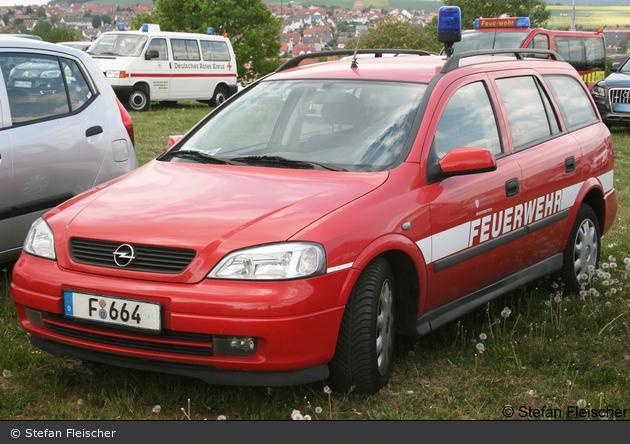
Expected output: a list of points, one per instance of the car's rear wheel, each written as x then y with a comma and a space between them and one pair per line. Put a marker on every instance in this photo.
139, 98
581, 255
363, 357
220, 96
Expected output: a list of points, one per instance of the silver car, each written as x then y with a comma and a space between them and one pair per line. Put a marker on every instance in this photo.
62, 131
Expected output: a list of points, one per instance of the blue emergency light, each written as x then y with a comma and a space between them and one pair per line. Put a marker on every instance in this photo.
210, 31
449, 27
145, 27
121, 26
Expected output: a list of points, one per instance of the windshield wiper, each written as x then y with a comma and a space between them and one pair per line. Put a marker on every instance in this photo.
199, 156
282, 162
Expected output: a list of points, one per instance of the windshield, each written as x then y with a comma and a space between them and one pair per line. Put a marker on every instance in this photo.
337, 125
121, 45
472, 41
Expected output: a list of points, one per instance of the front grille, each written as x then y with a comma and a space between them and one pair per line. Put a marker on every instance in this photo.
619, 96
147, 258
167, 341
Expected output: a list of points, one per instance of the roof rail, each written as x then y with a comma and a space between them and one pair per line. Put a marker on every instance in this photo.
453, 62
295, 61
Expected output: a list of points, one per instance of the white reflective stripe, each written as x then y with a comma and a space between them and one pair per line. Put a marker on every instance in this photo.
339, 267
453, 240
569, 194
607, 180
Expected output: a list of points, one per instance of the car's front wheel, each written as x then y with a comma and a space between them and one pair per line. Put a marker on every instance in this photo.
581, 255
363, 357
139, 98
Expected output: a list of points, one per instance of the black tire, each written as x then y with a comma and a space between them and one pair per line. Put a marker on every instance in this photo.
139, 99
220, 96
582, 250
363, 357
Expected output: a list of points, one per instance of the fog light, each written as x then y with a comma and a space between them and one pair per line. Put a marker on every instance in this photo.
234, 345
34, 316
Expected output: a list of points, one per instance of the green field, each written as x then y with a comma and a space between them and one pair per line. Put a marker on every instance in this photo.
589, 17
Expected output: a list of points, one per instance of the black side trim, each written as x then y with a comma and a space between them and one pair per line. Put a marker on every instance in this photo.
441, 316
33, 206
208, 373
469, 253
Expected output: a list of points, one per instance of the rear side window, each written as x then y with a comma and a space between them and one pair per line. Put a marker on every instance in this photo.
215, 51
40, 86
528, 109
573, 101
185, 49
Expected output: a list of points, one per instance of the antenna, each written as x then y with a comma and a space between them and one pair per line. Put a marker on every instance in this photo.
354, 63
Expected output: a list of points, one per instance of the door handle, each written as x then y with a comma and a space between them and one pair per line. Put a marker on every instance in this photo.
93, 131
512, 187
569, 164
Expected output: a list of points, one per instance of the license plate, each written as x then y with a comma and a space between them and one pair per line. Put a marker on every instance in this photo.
112, 310
21, 84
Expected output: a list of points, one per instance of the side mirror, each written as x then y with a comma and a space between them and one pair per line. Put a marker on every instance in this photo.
151, 54
459, 161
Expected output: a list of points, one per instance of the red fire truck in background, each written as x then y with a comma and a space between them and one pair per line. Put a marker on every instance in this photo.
586, 51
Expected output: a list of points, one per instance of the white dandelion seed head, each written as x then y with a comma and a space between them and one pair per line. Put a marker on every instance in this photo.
327, 390
606, 283
533, 393
480, 347
612, 258
80, 402
608, 304
6, 373
296, 415
411, 353
557, 299
583, 277
554, 285
307, 417
156, 408
221, 418
593, 291
591, 268
613, 291
626, 260
569, 382
613, 265
582, 403
483, 336
605, 265
318, 410
506, 312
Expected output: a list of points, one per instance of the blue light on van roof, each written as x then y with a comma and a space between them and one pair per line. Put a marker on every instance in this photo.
121, 26
449, 24
523, 22
210, 31
145, 27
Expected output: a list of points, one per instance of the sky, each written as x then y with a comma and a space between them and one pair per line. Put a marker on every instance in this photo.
21, 2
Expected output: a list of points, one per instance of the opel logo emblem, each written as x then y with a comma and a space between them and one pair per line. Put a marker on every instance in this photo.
124, 255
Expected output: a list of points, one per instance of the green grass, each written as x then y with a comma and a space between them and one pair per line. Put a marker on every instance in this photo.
555, 350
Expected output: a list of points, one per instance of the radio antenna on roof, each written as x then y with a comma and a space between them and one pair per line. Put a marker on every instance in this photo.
354, 63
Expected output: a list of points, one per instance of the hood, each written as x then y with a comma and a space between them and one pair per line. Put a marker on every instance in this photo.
213, 209
617, 80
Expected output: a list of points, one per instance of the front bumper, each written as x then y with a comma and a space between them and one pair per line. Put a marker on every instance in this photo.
294, 322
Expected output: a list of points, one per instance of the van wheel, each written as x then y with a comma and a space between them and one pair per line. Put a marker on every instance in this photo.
363, 357
139, 98
220, 96
582, 250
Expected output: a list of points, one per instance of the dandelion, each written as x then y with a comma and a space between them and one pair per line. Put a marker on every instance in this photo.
533, 393
506, 313
605, 265
554, 285
613, 265
296, 415
80, 402
327, 390
318, 410
307, 417
557, 299
612, 258
583, 277
6, 373
410, 392
481, 347
411, 353
569, 382
626, 260
581, 403
156, 408
606, 283
483, 336
221, 418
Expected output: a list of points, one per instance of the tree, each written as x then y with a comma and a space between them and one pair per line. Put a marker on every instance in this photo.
472, 9
394, 34
41, 12
106, 19
248, 23
96, 21
623, 46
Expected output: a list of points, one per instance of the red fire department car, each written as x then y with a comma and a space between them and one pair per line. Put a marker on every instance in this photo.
295, 229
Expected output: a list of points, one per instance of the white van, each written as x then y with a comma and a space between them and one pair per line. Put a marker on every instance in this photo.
151, 65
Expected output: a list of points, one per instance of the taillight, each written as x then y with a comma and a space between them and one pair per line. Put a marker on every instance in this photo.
126, 118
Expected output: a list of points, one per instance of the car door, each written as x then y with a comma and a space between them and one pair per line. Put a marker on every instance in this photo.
550, 161
474, 217
6, 184
58, 137
157, 69
186, 81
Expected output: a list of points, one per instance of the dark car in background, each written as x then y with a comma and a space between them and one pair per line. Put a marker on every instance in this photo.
612, 95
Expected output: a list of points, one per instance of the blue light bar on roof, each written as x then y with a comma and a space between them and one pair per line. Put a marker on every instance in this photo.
145, 27
449, 24
121, 26
210, 31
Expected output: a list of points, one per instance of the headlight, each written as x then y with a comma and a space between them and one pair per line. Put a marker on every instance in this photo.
115, 74
287, 260
53, 74
40, 240
599, 91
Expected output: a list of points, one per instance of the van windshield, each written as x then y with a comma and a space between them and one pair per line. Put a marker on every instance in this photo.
472, 41
119, 45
